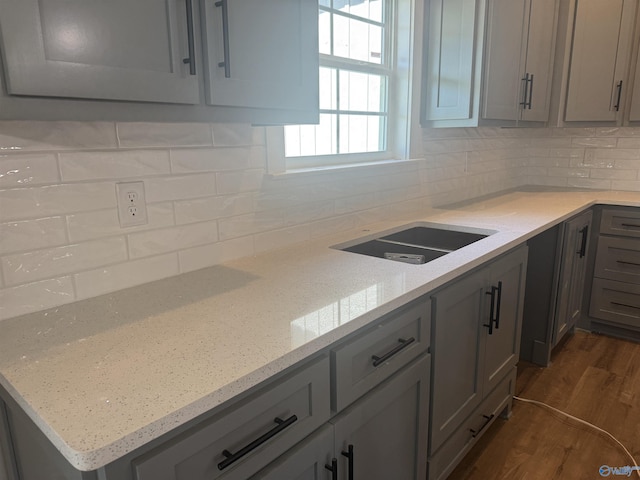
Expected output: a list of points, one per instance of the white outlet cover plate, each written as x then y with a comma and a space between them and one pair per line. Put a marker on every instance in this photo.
132, 209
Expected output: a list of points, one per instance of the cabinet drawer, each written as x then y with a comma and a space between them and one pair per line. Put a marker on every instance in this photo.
363, 362
621, 222
299, 399
442, 463
618, 259
615, 302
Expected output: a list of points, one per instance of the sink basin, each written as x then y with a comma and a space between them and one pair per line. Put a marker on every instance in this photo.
417, 244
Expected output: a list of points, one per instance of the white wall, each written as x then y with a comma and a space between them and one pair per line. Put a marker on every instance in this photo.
209, 199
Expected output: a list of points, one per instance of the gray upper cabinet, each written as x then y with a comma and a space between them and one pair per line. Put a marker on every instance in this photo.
116, 50
519, 56
450, 35
600, 56
262, 54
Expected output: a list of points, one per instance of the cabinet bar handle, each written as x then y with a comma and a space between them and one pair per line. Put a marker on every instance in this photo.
403, 344
499, 304
630, 225
625, 305
333, 468
234, 457
619, 87
191, 60
583, 246
488, 419
622, 262
225, 37
523, 103
530, 92
349, 455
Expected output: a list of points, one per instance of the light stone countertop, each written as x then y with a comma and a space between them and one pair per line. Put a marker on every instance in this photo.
104, 376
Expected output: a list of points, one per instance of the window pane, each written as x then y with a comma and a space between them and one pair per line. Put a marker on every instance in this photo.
370, 9
328, 89
357, 40
324, 32
325, 3
362, 92
361, 133
305, 140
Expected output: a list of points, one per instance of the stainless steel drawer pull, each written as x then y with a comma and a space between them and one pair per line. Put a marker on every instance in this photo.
234, 457
403, 344
226, 63
191, 60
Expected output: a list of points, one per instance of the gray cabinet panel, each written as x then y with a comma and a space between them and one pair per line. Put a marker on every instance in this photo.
623, 222
503, 343
618, 259
306, 461
265, 57
616, 302
352, 364
457, 445
457, 355
117, 50
572, 274
387, 429
197, 454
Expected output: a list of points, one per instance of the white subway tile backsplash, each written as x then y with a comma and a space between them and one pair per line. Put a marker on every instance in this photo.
104, 223
232, 134
209, 208
237, 182
140, 135
215, 253
33, 297
209, 201
80, 166
210, 159
32, 234
23, 136
28, 170
179, 187
154, 242
57, 261
37, 202
124, 275
249, 224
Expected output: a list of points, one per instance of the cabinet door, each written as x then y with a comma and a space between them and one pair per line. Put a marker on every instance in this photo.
449, 63
539, 58
116, 50
599, 59
386, 431
504, 64
572, 274
502, 347
262, 54
457, 360
306, 461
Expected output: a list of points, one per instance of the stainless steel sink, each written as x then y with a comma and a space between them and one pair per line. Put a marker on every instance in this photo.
417, 244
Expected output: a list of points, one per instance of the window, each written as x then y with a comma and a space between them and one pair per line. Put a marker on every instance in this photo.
355, 76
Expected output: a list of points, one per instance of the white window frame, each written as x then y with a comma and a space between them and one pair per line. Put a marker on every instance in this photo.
404, 135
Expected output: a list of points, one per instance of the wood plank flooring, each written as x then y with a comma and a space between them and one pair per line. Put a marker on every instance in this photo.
593, 377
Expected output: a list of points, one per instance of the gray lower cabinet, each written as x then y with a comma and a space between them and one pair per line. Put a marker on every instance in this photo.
573, 268
556, 282
476, 325
615, 293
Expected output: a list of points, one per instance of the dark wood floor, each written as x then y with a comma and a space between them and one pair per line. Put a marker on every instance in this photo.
593, 377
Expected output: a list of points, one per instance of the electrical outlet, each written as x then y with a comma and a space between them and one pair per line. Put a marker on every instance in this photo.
132, 208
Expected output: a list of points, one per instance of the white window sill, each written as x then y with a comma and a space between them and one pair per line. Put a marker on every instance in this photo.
343, 167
